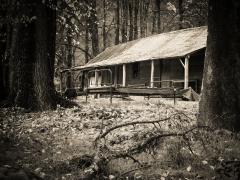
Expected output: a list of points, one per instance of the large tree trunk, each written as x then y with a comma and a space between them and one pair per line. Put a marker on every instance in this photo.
3, 44
32, 55
43, 69
220, 99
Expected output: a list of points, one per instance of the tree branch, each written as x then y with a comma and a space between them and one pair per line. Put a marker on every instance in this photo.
83, 50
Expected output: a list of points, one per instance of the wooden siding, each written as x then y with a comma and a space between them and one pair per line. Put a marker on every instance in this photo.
164, 70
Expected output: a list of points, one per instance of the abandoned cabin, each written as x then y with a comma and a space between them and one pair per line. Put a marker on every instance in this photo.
147, 65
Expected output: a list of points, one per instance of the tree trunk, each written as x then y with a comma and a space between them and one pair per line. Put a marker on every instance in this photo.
158, 3
104, 26
86, 44
69, 55
32, 55
94, 28
156, 23
117, 16
154, 18
180, 12
142, 29
144, 5
136, 7
130, 7
3, 45
220, 99
124, 20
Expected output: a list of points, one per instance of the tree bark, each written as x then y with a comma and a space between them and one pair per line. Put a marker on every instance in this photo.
180, 12
144, 6
94, 27
3, 45
124, 20
69, 55
158, 3
154, 18
32, 55
86, 44
141, 21
43, 69
156, 23
104, 26
136, 9
117, 16
220, 99
131, 27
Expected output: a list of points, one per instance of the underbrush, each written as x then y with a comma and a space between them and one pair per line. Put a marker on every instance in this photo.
125, 140
202, 154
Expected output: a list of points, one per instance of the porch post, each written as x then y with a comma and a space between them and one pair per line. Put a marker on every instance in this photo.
115, 75
186, 72
61, 79
152, 74
96, 78
124, 76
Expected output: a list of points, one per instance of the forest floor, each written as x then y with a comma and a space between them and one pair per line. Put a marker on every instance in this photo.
164, 143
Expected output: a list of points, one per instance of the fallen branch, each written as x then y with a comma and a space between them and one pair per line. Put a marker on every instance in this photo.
132, 170
102, 160
133, 123
142, 146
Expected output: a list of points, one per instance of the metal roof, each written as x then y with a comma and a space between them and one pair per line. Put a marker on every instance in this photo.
161, 46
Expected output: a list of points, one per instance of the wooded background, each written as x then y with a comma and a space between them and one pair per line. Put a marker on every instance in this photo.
87, 27
40, 38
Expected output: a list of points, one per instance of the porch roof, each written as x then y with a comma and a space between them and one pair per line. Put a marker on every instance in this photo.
161, 46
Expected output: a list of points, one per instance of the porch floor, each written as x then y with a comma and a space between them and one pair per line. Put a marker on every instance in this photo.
137, 91
143, 91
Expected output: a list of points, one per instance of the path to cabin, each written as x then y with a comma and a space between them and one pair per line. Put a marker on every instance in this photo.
50, 143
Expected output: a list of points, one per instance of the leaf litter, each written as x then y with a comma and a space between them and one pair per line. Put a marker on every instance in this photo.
51, 142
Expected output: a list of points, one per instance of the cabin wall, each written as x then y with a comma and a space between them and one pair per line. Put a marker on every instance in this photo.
170, 69
196, 68
173, 70
143, 76
119, 74
166, 70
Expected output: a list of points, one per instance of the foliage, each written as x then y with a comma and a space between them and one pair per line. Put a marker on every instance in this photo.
76, 16
60, 143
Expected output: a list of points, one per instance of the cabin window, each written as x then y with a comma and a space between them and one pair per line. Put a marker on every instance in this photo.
135, 70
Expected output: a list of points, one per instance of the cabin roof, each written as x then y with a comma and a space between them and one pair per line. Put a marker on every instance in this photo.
161, 46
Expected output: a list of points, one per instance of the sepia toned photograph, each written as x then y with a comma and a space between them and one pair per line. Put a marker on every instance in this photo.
119, 89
